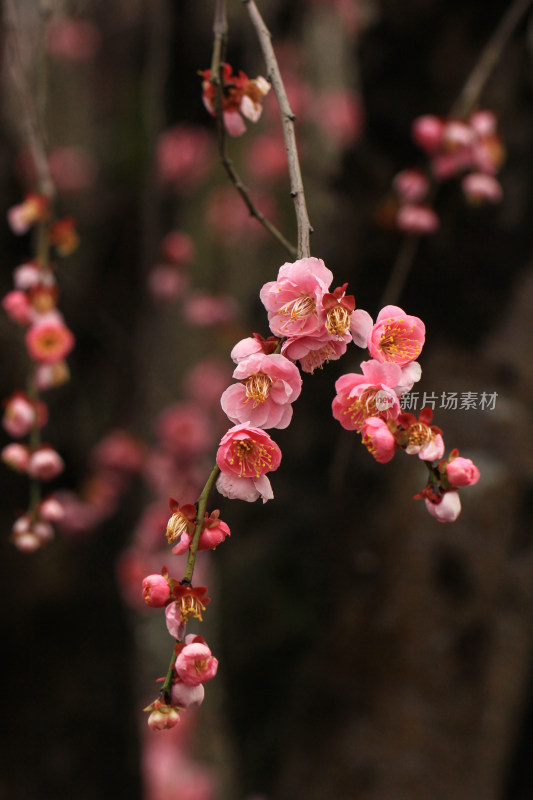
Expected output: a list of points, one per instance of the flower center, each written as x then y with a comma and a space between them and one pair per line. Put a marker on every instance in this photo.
364, 406
419, 434
303, 306
337, 320
200, 666
176, 525
191, 606
396, 343
258, 388
251, 457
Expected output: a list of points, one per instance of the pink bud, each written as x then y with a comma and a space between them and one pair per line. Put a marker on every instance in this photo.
427, 132
45, 464
448, 509
28, 535
163, 717
16, 456
51, 510
184, 695
19, 415
462, 472
156, 591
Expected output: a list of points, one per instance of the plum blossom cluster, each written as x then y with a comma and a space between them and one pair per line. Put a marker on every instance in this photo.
241, 98
469, 149
370, 403
32, 304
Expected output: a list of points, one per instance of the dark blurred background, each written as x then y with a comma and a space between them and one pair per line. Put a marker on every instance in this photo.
366, 651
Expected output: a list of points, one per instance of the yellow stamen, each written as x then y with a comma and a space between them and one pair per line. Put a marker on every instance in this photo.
303, 306
258, 388
176, 525
337, 320
419, 434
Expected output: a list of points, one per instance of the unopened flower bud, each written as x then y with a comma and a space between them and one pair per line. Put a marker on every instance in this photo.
156, 591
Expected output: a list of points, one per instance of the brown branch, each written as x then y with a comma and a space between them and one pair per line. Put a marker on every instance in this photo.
220, 30
29, 119
287, 118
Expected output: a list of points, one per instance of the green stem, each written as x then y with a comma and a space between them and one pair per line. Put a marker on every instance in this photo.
165, 689
202, 502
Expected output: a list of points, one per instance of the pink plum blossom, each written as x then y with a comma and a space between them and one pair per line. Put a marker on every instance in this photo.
177, 248
33, 209
396, 337
206, 381
49, 375
241, 97
417, 219
162, 716
230, 220
17, 306
45, 464
206, 310
51, 509
214, 531
266, 157
253, 345
184, 428
27, 276
339, 114
427, 132
270, 383
313, 351
462, 472
423, 439
155, 590
49, 340
16, 456
448, 509
294, 300
184, 154
28, 534
195, 663
367, 395
118, 451
244, 455
72, 39
21, 414
360, 326
73, 169
480, 187
184, 695
378, 439
166, 282
411, 185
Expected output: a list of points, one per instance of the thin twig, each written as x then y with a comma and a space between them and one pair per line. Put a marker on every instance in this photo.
287, 118
462, 107
220, 30
29, 121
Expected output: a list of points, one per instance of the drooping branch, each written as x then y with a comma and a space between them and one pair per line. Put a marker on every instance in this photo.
28, 118
287, 118
220, 30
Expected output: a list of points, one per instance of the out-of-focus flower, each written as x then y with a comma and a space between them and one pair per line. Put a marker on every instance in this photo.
447, 509
45, 463
184, 156
49, 340
22, 216
72, 39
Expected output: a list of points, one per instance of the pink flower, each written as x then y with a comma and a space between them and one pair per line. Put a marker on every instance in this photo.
368, 395
378, 439
240, 96
162, 716
214, 531
184, 695
28, 534
462, 472
253, 345
51, 510
177, 248
206, 381
360, 326
184, 155
27, 276
339, 114
72, 39
423, 439
396, 337
118, 451
166, 282
417, 219
480, 187
427, 132
411, 185
266, 158
174, 621
21, 414
205, 310
16, 456
294, 300
17, 306
73, 169
195, 664
313, 351
21, 217
156, 591
49, 375
245, 455
448, 509
270, 384
45, 464
184, 429
230, 220
49, 341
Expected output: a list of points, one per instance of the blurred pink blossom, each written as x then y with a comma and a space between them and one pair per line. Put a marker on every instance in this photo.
73, 169
202, 309
72, 39
184, 155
